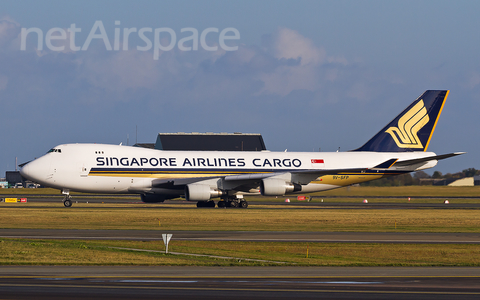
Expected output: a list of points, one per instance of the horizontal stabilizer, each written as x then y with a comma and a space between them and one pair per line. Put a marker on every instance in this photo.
409, 162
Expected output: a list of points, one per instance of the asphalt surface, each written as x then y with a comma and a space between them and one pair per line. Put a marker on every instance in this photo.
257, 236
61, 282
329, 202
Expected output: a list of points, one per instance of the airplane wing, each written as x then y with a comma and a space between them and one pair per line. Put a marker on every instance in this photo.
300, 177
253, 181
246, 182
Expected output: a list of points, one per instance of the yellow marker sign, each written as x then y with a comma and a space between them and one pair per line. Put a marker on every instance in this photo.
11, 200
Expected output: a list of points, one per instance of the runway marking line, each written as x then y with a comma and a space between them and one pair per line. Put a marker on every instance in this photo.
235, 276
243, 289
203, 255
247, 240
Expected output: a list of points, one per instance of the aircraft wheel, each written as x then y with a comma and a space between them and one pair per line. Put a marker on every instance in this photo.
211, 203
233, 204
67, 203
243, 204
221, 204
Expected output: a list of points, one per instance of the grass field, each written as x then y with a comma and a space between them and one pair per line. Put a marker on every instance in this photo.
65, 252
186, 217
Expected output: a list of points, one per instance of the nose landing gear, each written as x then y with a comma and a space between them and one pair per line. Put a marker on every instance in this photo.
67, 201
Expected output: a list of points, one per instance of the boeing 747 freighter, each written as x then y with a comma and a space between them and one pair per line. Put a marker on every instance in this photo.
201, 176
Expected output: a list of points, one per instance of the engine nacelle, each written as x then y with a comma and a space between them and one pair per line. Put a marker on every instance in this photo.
277, 187
200, 192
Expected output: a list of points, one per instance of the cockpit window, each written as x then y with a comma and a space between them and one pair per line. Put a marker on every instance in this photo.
55, 150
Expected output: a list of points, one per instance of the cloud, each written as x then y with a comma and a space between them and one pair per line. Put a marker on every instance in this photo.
286, 63
302, 65
289, 44
121, 71
9, 31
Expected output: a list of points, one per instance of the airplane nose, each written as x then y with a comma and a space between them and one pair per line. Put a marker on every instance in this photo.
25, 171
35, 170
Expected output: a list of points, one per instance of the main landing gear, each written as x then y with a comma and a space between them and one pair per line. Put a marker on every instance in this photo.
226, 201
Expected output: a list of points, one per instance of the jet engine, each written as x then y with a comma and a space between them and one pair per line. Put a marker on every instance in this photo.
278, 187
200, 192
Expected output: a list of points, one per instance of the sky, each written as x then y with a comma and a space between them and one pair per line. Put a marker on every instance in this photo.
304, 74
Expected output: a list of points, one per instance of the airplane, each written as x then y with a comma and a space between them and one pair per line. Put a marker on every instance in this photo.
201, 176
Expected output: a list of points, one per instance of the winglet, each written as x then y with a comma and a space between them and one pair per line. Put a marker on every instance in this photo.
411, 130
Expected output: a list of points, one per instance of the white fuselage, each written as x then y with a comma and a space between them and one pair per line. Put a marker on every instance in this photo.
124, 169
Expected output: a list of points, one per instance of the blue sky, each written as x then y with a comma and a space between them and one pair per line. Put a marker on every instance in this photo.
306, 75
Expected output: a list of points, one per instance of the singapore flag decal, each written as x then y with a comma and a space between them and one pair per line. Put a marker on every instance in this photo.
317, 163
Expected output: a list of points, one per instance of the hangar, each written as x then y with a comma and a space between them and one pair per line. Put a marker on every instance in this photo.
467, 181
207, 142
476, 180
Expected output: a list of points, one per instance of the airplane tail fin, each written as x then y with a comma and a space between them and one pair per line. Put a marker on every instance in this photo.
413, 128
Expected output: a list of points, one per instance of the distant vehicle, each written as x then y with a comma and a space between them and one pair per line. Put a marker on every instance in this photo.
32, 186
18, 185
157, 175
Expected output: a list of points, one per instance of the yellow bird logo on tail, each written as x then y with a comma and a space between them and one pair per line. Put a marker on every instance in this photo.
405, 135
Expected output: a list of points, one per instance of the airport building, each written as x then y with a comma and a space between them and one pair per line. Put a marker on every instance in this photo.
14, 178
467, 181
476, 180
208, 142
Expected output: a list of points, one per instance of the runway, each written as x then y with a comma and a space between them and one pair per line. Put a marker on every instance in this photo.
254, 236
237, 272
57, 282
330, 202
170, 282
